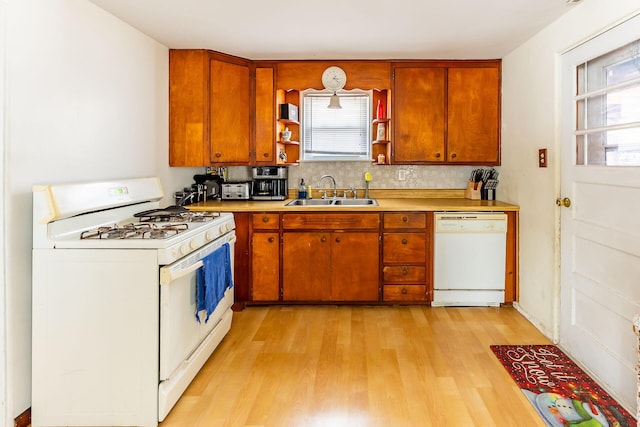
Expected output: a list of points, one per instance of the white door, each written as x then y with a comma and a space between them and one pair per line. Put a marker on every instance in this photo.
600, 230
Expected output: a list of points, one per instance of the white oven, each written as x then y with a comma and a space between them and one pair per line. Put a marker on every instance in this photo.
116, 292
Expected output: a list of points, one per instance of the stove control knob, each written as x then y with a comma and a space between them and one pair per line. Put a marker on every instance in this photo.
222, 229
193, 244
184, 249
228, 227
210, 235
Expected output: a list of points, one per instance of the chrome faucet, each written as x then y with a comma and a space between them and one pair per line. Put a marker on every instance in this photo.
333, 181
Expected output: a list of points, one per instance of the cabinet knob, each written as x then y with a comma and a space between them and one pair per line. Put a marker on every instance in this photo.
338, 239
323, 239
265, 219
265, 155
454, 155
437, 155
218, 155
271, 239
405, 241
404, 291
405, 219
404, 272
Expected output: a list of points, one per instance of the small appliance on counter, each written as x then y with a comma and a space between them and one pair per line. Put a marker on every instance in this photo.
270, 183
206, 187
236, 190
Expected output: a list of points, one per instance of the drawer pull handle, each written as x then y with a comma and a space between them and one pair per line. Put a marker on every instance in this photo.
404, 291
323, 239
405, 241
404, 272
271, 239
265, 219
338, 239
405, 219
454, 155
437, 155
218, 155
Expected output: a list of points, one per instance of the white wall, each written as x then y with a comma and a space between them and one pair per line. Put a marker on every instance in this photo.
531, 120
86, 100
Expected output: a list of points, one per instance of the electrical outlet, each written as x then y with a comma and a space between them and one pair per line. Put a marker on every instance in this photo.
402, 174
542, 158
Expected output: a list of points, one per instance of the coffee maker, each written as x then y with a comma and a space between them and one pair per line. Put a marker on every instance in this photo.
269, 183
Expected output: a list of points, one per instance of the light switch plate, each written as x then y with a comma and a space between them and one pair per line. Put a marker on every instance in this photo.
542, 158
402, 174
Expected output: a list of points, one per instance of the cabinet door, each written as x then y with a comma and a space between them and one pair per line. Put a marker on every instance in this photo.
230, 105
306, 269
188, 108
473, 115
265, 116
265, 266
354, 266
419, 115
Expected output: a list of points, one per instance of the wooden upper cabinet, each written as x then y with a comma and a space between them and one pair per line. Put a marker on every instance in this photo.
419, 115
446, 112
265, 132
209, 109
189, 108
473, 106
230, 110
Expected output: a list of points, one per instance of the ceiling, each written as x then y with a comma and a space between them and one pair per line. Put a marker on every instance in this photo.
342, 29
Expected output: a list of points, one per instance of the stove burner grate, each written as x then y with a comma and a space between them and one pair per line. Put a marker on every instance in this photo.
135, 231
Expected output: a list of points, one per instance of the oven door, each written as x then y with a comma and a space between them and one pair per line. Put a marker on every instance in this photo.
181, 334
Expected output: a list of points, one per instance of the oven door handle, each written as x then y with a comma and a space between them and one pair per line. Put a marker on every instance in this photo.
167, 275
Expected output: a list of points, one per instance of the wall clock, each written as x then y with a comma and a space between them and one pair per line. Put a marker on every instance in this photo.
334, 78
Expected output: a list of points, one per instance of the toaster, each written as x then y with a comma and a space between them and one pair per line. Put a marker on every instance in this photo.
236, 190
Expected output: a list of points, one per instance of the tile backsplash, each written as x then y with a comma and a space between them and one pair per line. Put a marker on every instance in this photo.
351, 174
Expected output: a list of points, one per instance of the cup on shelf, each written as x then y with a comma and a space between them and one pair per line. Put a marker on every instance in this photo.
286, 135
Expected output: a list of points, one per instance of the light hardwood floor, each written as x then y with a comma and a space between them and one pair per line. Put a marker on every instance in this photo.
333, 366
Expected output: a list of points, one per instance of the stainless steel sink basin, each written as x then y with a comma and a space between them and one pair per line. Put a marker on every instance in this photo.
333, 202
310, 202
355, 202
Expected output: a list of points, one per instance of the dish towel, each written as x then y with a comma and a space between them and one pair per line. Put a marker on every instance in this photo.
212, 280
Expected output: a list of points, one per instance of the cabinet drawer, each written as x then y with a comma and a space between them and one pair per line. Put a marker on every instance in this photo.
325, 221
405, 220
404, 273
265, 221
404, 293
405, 248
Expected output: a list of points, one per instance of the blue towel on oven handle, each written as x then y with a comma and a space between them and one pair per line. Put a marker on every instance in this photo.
212, 280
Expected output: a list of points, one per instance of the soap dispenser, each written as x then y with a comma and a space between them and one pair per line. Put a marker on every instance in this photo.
302, 192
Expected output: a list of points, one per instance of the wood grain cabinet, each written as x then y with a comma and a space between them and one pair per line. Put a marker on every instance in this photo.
265, 257
330, 257
405, 259
209, 109
446, 113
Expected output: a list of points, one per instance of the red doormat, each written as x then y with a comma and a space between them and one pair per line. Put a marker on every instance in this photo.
562, 393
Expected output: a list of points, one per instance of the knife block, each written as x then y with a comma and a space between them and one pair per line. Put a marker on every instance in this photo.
473, 190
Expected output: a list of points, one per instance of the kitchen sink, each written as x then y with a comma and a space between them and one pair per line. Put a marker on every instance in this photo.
333, 202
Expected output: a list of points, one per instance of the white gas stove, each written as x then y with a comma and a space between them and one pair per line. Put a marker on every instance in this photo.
119, 329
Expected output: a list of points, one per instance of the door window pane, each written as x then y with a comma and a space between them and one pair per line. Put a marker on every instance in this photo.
608, 109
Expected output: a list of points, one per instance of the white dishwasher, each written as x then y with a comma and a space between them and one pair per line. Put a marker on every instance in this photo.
469, 258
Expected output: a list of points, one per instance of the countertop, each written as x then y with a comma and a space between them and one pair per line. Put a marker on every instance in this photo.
384, 204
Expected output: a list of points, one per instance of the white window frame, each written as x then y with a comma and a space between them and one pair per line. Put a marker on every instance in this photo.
306, 156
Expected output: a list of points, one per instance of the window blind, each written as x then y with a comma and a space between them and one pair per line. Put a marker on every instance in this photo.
336, 133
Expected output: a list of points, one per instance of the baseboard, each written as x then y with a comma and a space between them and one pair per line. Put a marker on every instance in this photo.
23, 420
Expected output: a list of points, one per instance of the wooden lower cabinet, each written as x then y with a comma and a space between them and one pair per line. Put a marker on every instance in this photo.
265, 266
265, 257
405, 249
330, 266
330, 257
